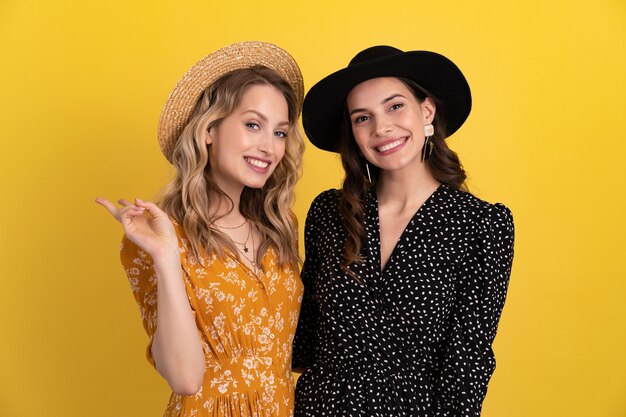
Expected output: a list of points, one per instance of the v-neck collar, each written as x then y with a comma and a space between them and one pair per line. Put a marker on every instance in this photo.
257, 277
373, 224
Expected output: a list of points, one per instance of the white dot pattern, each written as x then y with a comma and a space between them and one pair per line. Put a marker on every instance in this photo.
415, 339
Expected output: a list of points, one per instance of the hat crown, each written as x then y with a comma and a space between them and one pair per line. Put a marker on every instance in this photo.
374, 52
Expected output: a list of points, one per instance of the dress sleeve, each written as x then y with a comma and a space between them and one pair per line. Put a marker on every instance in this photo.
468, 361
306, 333
139, 269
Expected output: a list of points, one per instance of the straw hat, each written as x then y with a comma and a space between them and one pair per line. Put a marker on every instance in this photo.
324, 103
182, 100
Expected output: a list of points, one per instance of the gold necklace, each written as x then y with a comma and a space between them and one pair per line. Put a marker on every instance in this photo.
231, 228
245, 242
252, 261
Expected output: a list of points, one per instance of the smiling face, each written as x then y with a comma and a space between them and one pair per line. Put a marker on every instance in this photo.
248, 144
388, 122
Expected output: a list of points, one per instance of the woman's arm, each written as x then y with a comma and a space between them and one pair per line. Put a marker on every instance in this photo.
176, 347
468, 360
151, 258
306, 336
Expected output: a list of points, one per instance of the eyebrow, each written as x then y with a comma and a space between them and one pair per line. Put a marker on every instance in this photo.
391, 97
263, 118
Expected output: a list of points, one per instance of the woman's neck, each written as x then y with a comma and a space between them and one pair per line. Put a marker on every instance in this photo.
227, 210
406, 188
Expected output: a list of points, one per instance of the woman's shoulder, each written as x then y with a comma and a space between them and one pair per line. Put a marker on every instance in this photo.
474, 209
328, 196
325, 201
323, 217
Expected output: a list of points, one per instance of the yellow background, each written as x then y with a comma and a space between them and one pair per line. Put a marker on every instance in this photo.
81, 87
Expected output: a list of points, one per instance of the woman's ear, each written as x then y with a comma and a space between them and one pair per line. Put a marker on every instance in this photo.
209, 135
428, 109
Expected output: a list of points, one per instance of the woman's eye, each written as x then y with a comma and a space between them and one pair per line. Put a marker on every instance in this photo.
281, 134
253, 125
360, 119
397, 106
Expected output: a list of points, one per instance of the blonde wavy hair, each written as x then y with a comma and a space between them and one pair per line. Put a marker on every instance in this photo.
187, 198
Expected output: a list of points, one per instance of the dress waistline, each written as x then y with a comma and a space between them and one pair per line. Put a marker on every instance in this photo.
423, 362
239, 374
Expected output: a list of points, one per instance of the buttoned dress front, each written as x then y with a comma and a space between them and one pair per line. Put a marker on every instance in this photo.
415, 338
246, 324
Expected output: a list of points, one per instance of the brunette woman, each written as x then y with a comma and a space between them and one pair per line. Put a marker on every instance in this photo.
405, 272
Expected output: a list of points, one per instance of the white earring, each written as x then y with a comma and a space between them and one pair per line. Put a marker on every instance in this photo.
427, 149
367, 168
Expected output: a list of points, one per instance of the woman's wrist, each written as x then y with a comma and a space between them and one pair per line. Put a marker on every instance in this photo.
167, 261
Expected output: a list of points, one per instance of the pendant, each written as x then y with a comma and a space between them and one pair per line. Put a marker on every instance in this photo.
245, 248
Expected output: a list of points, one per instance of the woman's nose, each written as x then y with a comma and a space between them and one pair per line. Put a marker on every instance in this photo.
266, 143
383, 126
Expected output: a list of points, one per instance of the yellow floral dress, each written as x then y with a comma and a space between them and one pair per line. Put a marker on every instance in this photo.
246, 323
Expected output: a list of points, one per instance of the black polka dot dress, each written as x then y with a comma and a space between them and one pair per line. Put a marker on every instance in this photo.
415, 339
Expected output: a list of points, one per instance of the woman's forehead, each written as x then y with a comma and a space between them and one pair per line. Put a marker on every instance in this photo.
376, 91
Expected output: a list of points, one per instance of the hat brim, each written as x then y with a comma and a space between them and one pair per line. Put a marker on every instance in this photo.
325, 101
182, 100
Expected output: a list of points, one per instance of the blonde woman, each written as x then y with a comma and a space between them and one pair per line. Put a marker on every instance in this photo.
213, 265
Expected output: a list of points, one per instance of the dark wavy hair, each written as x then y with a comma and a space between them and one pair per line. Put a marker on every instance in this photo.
443, 163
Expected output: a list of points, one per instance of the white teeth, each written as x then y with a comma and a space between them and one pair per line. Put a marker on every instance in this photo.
390, 145
257, 163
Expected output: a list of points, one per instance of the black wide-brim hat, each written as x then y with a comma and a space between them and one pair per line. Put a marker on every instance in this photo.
440, 77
